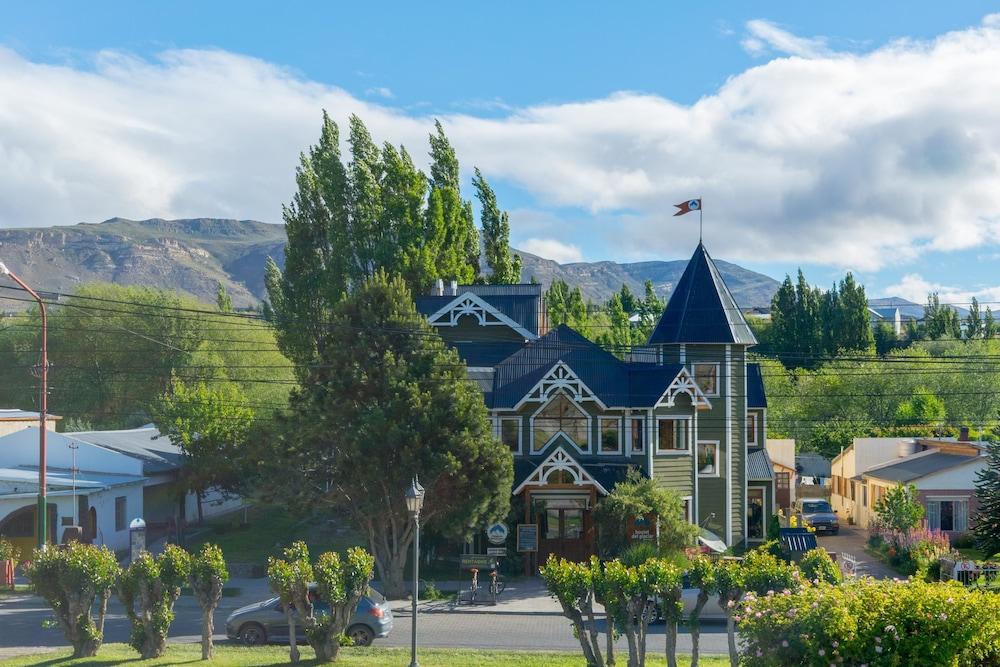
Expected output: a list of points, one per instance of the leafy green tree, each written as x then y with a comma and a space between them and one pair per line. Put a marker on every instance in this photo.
71, 579
148, 589
989, 325
974, 322
222, 299
940, 321
618, 338
505, 267
210, 423
899, 508
340, 582
639, 496
630, 302
817, 565
207, 576
567, 306
922, 407
885, 339
389, 400
729, 588
458, 257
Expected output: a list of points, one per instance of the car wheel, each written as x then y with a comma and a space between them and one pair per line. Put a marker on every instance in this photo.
361, 635
253, 634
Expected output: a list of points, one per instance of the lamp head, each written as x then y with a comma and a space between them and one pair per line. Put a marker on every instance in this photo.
4, 270
414, 496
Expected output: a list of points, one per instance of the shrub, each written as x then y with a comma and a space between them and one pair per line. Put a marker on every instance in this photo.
816, 565
148, 589
865, 622
71, 579
964, 541
7, 550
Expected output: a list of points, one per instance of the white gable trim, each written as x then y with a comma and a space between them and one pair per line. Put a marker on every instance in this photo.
559, 459
684, 384
560, 378
470, 304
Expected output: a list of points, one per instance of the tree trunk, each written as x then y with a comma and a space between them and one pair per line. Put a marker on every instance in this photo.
293, 649
671, 643
695, 624
609, 651
207, 627
102, 613
394, 579
326, 651
734, 656
581, 634
633, 648
595, 637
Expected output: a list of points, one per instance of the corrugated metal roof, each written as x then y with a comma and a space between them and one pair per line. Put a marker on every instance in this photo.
157, 453
797, 540
64, 478
912, 467
756, 396
759, 465
702, 309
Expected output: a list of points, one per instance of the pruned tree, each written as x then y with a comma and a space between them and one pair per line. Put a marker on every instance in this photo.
572, 585
389, 400
71, 579
702, 577
148, 589
207, 576
729, 587
340, 582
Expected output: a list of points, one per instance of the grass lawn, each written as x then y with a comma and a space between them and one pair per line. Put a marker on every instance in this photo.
18, 589
971, 553
190, 654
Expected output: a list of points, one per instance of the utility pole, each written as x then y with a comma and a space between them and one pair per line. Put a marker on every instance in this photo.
42, 509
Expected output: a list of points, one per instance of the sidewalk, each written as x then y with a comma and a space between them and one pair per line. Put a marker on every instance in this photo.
521, 596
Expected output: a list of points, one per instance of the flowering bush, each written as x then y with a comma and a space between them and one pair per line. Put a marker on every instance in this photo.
816, 564
914, 551
871, 623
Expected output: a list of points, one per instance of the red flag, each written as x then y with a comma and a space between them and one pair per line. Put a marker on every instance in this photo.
688, 206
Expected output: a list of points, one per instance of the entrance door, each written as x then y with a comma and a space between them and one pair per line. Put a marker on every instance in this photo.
784, 490
755, 514
563, 533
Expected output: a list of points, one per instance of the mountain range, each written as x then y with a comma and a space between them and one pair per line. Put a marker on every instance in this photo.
193, 255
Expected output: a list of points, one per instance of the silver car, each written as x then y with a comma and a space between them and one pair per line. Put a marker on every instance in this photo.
265, 622
819, 514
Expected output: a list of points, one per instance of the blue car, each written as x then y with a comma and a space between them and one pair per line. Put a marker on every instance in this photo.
265, 622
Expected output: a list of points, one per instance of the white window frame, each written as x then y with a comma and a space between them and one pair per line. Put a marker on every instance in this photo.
531, 425
714, 443
687, 435
755, 416
689, 512
718, 376
520, 433
600, 435
642, 431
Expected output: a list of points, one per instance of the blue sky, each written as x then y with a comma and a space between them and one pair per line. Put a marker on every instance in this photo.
589, 118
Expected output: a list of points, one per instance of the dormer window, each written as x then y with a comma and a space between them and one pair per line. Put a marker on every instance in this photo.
706, 376
560, 415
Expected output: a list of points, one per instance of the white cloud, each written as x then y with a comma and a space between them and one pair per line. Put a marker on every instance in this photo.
553, 249
859, 160
914, 287
764, 36
380, 91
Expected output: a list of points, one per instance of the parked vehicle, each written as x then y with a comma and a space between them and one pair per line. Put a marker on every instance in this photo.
265, 622
819, 514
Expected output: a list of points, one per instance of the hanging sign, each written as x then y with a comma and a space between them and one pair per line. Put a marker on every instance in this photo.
497, 533
527, 537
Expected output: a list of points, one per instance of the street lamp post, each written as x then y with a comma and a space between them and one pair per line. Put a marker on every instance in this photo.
42, 510
414, 502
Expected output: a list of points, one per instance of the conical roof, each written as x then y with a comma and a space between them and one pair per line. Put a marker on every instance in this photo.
702, 309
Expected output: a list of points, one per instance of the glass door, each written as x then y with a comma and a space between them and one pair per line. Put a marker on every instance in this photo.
755, 513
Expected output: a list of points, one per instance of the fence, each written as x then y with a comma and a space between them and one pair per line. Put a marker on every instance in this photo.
968, 572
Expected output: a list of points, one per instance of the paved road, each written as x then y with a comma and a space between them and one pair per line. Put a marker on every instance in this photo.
852, 540
513, 627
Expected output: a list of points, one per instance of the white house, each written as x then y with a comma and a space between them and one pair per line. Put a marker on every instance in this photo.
120, 475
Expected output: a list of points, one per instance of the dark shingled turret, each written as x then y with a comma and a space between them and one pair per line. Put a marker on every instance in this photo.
702, 309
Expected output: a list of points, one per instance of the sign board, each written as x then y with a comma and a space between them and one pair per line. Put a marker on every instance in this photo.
137, 538
642, 528
477, 561
497, 533
527, 537
496, 551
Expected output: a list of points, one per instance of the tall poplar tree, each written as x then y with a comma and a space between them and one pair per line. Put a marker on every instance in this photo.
505, 267
449, 219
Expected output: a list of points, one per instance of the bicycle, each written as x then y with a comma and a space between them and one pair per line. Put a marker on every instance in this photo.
497, 586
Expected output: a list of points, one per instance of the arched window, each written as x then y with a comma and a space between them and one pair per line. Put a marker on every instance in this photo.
560, 415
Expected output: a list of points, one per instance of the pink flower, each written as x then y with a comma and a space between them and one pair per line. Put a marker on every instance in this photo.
821, 652
759, 653
758, 614
784, 643
878, 649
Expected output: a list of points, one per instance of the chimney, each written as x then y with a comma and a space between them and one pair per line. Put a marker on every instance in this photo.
439, 287
454, 288
963, 434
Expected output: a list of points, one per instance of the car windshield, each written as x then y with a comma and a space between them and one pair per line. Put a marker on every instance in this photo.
817, 506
